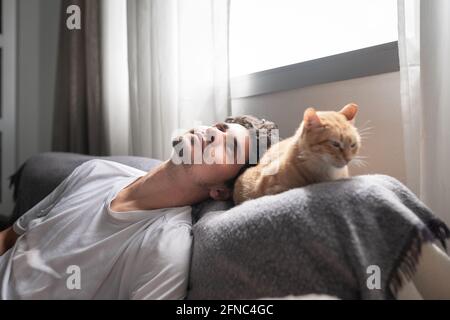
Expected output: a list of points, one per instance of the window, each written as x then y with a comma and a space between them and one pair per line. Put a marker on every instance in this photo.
265, 34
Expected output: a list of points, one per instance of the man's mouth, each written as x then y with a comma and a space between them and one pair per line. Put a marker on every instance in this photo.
200, 137
204, 139
191, 137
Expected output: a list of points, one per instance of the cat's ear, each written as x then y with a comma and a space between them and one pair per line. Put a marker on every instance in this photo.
220, 193
350, 111
310, 119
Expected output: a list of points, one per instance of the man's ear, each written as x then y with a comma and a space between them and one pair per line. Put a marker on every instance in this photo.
220, 193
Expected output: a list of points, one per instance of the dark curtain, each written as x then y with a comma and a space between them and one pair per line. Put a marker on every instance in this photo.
79, 124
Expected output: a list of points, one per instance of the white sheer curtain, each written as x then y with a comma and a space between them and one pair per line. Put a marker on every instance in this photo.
178, 69
424, 46
114, 46
409, 51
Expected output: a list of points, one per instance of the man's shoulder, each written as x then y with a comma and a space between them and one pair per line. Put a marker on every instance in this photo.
103, 166
98, 170
173, 233
178, 216
175, 242
104, 163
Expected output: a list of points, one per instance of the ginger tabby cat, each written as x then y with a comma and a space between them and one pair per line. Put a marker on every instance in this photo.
319, 151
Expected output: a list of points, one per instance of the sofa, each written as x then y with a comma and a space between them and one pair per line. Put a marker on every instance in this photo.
291, 244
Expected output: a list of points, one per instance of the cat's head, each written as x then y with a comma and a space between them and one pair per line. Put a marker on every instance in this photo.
331, 136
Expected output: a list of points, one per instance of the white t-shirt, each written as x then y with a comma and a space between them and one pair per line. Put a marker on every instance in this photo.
73, 246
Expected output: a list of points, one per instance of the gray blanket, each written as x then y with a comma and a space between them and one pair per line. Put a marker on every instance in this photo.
323, 239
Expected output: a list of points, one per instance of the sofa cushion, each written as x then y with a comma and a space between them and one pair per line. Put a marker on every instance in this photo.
42, 173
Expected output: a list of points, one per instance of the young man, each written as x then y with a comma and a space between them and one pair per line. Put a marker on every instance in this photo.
109, 231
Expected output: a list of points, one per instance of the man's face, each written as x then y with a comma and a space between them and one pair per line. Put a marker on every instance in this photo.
213, 155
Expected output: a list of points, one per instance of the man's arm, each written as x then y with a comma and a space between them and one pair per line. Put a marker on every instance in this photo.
7, 239
9, 236
44, 206
163, 273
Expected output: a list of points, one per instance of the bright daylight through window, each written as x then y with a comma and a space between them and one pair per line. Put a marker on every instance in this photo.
266, 34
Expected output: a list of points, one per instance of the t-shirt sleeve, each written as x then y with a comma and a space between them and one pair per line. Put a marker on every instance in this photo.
166, 271
44, 206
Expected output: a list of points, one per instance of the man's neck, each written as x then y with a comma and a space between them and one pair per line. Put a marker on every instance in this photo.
165, 186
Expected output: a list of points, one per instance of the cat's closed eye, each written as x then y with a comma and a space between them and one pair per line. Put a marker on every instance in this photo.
353, 146
335, 144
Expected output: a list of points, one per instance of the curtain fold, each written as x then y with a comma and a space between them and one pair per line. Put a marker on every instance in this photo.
435, 83
409, 52
78, 123
424, 49
178, 69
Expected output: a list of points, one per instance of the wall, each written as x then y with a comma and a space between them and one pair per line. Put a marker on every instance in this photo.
379, 100
37, 56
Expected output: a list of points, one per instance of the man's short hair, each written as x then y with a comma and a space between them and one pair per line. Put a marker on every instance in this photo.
263, 129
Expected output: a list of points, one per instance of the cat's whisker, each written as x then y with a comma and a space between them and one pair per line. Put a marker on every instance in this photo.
355, 164
359, 162
301, 156
364, 125
366, 135
368, 130
367, 122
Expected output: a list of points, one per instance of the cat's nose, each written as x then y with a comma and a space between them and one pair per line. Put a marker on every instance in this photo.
347, 157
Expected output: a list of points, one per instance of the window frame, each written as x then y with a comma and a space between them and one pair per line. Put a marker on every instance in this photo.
359, 63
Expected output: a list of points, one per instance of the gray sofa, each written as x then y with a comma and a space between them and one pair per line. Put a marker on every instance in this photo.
319, 239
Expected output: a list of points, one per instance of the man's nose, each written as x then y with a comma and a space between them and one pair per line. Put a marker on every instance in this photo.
214, 132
